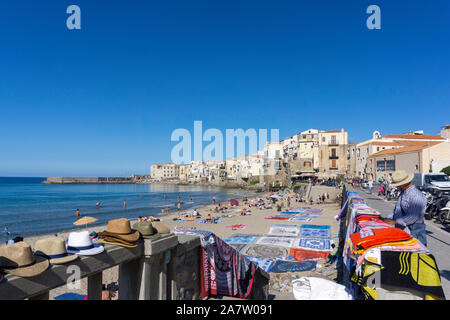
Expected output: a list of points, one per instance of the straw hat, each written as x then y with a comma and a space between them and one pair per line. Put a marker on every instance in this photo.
161, 228
117, 241
54, 249
147, 230
18, 259
81, 243
401, 177
120, 229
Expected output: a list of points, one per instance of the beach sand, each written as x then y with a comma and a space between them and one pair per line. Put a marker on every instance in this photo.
256, 224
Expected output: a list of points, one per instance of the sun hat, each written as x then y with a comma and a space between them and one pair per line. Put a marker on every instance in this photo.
18, 259
401, 177
117, 241
54, 249
81, 243
147, 230
120, 229
161, 228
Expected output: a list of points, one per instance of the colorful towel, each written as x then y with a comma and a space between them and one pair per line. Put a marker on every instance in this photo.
278, 217
284, 230
313, 244
241, 238
264, 251
315, 231
276, 241
237, 226
313, 210
300, 219
291, 266
239, 246
302, 254
265, 264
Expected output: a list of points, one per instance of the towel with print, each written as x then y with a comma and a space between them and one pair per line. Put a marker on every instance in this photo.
293, 266
315, 231
415, 271
300, 219
276, 241
313, 244
265, 264
284, 230
241, 238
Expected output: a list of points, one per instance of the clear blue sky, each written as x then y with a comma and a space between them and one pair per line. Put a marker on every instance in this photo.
105, 99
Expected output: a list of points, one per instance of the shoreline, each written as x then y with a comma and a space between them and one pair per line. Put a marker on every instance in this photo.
256, 224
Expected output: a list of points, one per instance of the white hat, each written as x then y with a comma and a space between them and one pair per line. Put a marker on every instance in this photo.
81, 243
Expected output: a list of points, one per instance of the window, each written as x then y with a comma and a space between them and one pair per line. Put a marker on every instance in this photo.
378, 148
323, 139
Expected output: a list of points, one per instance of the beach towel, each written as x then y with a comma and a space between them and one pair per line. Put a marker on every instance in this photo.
303, 254
415, 271
313, 244
293, 266
367, 237
237, 226
284, 230
278, 217
265, 251
265, 264
276, 241
71, 296
241, 238
300, 219
238, 246
313, 210
315, 231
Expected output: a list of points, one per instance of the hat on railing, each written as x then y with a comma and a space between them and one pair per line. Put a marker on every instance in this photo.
401, 177
119, 232
18, 259
81, 243
147, 230
54, 249
161, 228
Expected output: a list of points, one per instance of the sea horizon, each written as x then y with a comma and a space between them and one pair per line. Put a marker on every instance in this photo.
29, 208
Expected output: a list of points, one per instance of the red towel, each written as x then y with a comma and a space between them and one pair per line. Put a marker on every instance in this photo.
367, 238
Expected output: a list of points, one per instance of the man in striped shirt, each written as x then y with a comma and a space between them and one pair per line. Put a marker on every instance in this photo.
409, 210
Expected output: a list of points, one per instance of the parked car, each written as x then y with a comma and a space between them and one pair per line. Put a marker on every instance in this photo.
432, 182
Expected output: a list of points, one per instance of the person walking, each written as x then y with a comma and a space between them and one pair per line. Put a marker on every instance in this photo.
214, 199
409, 210
370, 185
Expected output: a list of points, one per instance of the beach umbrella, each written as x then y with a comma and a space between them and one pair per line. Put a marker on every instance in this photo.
234, 202
85, 221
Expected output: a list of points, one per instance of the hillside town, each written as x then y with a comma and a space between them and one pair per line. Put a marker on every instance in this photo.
318, 155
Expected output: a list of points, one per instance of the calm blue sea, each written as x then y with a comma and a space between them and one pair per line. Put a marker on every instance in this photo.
28, 207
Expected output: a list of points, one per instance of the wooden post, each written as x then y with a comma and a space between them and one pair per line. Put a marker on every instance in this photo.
130, 277
94, 284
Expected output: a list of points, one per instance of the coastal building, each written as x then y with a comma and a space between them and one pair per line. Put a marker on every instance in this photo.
422, 157
358, 155
332, 153
168, 171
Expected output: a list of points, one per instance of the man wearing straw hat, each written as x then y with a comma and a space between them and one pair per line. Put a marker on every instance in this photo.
410, 207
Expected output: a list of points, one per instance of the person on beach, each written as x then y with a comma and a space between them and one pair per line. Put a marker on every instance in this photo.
6, 232
78, 213
107, 294
190, 199
97, 205
179, 207
165, 196
214, 199
124, 204
162, 211
167, 210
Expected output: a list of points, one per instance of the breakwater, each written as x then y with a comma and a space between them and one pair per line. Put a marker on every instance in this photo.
88, 180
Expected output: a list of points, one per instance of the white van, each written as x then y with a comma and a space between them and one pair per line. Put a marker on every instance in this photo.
432, 182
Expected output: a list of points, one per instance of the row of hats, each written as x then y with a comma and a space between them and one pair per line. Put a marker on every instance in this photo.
20, 260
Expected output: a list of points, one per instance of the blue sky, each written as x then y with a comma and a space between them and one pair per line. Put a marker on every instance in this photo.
105, 99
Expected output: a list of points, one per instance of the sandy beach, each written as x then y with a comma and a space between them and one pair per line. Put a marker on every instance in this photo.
256, 224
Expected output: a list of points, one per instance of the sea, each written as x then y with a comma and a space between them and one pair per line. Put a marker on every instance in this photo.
28, 207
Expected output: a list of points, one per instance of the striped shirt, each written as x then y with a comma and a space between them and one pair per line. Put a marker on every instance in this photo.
413, 203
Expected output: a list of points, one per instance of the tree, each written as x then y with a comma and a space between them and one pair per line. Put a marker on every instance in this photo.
446, 170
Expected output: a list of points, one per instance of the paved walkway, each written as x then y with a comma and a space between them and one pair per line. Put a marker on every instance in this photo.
438, 237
